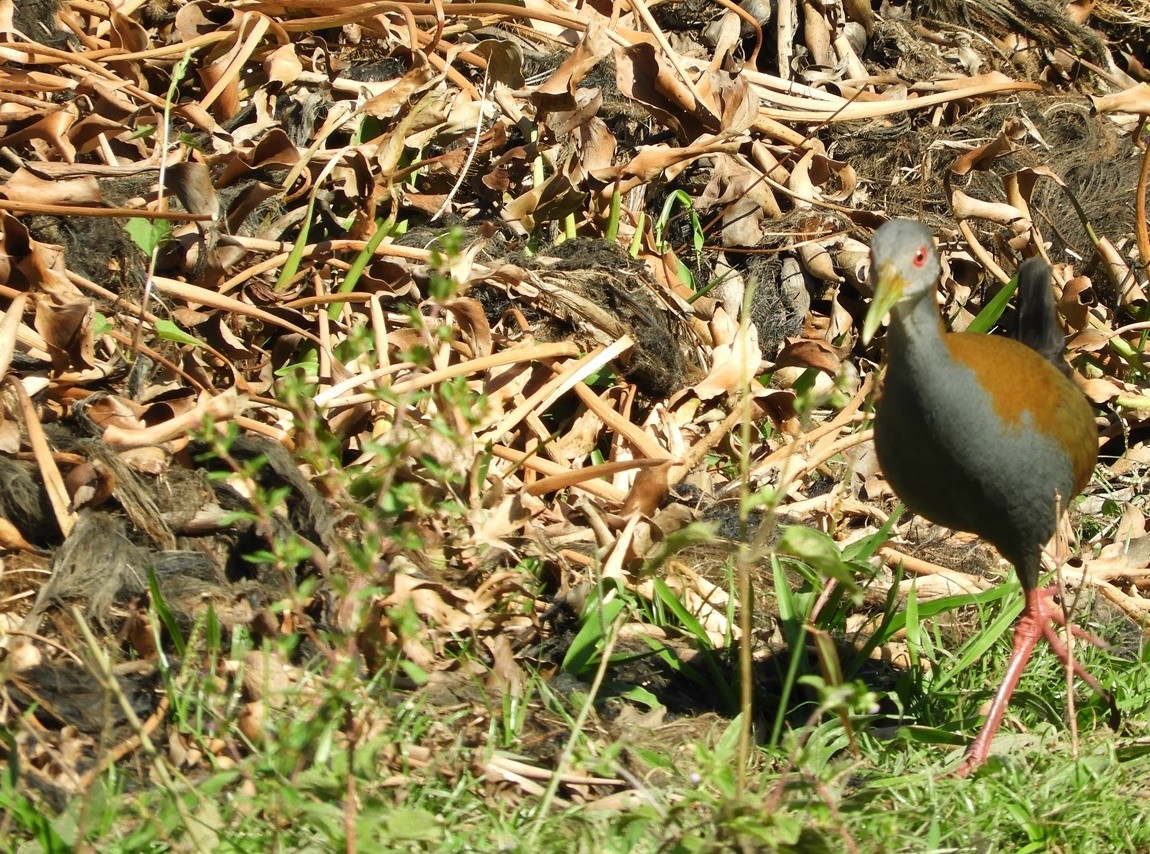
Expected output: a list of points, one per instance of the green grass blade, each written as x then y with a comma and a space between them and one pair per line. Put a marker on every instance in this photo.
587, 642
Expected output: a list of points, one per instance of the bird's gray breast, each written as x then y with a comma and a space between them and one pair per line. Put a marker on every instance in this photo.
953, 460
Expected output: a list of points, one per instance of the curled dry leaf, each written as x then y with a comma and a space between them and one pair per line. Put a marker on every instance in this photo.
967, 207
28, 265
11, 539
984, 155
738, 191
810, 353
67, 330
90, 484
1136, 99
736, 360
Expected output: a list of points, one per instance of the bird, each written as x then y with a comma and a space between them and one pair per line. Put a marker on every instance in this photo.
981, 433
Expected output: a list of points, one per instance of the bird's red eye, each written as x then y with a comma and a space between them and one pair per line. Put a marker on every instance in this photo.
919, 257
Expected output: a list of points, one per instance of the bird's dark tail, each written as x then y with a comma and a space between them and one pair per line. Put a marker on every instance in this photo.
1038, 326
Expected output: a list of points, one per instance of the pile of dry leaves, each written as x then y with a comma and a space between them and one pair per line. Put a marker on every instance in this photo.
317, 313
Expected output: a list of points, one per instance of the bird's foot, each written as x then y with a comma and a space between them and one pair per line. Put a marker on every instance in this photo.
1039, 615
1055, 614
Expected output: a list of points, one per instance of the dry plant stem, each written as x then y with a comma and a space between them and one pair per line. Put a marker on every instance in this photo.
193, 382
894, 557
484, 363
534, 772
1136, 607
848, 415
1068, 667
324, 356
41, 639
335, 119
786, 28
875, 109
578, 476
471, 149
350, 801
639, 439
1140, 231
983, 257
697, 452
128, 745
53, 482
68, 19
239, 57
212, 299
32, 54
283, 250
835, 448
1068, 608
532, 462
9, 571
177, 49
334, 395
834, 498
570, 375
577, 558
262, 244
9, 329
85, 210
741, 414
752, 60
222, 407
524, 353
1124, 330
546, 442
379, 334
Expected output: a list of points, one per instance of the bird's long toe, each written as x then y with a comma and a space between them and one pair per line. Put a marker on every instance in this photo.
1053, 615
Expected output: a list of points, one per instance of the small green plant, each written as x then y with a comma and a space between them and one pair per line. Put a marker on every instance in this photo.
23, 816
818, 609
698, 239
150, 235
597, 621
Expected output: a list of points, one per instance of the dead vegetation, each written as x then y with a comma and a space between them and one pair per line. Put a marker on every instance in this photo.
377, 331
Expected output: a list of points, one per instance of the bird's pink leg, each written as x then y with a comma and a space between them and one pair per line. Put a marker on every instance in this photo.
1027, 631
1037, 619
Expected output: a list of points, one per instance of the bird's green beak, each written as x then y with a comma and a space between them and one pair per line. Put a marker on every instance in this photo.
887, 291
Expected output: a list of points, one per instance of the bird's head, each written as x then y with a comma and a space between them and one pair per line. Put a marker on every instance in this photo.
904, 268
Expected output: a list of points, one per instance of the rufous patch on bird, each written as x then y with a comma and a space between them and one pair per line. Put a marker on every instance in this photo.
997, 361
1018, 381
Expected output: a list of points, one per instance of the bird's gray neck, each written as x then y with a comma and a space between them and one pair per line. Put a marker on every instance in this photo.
914, 339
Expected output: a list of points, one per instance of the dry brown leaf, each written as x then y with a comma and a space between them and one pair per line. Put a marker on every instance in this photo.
11, 539
25, 186
90, 484
811, 353
67, 330
735, 358
1136, 99
29, 265
983, 156
744, 197
556, 93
